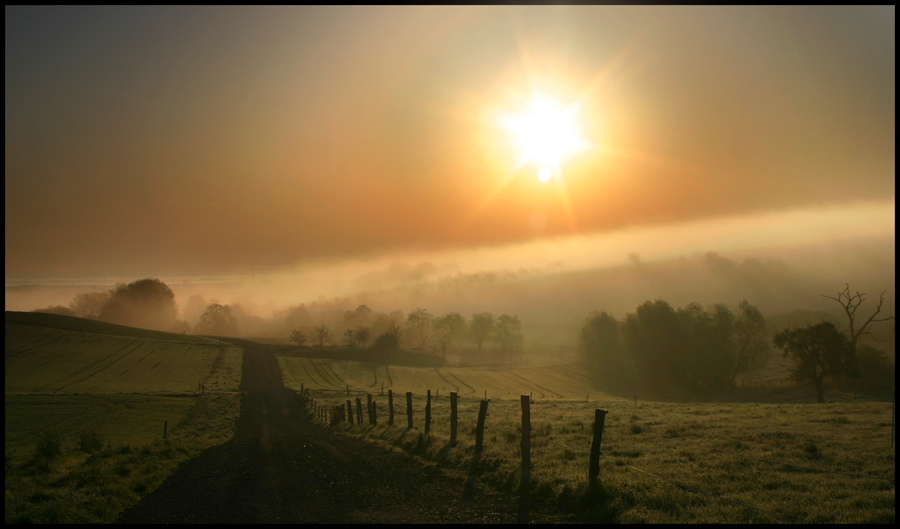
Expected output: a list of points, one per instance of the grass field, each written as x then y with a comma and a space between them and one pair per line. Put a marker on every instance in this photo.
550, 382
662, 462
85, 409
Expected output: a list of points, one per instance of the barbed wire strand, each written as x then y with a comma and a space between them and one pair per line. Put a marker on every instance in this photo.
698, 491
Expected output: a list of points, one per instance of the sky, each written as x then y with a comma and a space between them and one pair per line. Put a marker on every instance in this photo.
215, 141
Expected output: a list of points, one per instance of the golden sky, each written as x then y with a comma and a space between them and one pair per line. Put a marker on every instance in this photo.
154, 141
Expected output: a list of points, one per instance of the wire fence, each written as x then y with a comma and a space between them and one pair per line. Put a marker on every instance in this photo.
339, 414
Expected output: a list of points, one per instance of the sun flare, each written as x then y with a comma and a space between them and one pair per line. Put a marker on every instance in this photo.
546, 132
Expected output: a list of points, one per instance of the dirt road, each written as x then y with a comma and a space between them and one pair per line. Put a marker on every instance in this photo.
282, 468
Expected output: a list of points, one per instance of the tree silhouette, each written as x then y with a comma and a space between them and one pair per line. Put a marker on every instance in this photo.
447, 329
217, 320
851, 303
89, 304
147, 303
322, 334
481, 328
816, 352
298, 337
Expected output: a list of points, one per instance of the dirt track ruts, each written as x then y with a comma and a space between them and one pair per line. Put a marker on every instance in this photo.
282, 468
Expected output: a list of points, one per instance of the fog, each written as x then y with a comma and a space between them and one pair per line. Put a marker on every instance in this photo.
780, 262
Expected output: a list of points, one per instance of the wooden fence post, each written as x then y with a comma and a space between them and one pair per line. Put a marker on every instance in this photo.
374, 415
526, 443
349, 411
165, 428
428, 413
594, 468
390, 407
453, 397
409, 409
369, 408
358, 410
479, 429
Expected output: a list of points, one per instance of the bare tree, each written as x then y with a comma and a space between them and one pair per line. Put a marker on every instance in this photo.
852, 302
298, 337
321, 333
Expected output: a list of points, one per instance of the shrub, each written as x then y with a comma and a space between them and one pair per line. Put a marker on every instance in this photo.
48, 447
89, 442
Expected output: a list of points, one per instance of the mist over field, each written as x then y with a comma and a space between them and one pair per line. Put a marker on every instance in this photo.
552, 285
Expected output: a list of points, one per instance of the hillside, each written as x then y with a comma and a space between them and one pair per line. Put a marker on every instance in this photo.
52, 354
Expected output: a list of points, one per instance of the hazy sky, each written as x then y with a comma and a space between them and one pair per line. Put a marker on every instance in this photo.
160, 141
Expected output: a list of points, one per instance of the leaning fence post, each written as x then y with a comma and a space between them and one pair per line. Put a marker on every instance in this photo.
479, 430
349, 411
390, 407
526, 443
594, 468
428, 413
452, 417
358, 410
409, 409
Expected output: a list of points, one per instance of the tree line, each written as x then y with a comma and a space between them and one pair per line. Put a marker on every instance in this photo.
495, 338
148, 304
701, 350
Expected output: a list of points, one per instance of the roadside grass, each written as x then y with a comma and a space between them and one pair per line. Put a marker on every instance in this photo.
87, 458
662, 462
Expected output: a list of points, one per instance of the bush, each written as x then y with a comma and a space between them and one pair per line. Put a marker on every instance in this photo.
89, 442
48, 447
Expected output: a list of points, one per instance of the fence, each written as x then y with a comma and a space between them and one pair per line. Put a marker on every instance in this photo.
340, 413
337, 414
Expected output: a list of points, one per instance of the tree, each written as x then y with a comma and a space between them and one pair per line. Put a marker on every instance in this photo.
481, 328
389, 340
447, 329
418, 327
360, 317
508, 335
321, 333
600, 343
752, 349
816, 352
89, 304
147, 303
362, 335
657, 340
850, 304
217, 320
298, 337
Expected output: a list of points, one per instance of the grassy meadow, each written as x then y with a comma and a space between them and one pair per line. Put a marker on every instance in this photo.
742, 462
85, 409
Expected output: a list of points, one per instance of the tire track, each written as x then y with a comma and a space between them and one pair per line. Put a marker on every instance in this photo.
445, 379
471, 389
321, 368
40, 342
530, 384
104, 368
124, 351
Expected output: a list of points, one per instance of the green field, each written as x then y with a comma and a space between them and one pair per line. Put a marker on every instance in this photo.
753, 462
69, 380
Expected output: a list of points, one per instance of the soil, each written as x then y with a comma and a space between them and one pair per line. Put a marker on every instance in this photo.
280, 467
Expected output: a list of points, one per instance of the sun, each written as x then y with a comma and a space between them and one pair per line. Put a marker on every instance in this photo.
546, 133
